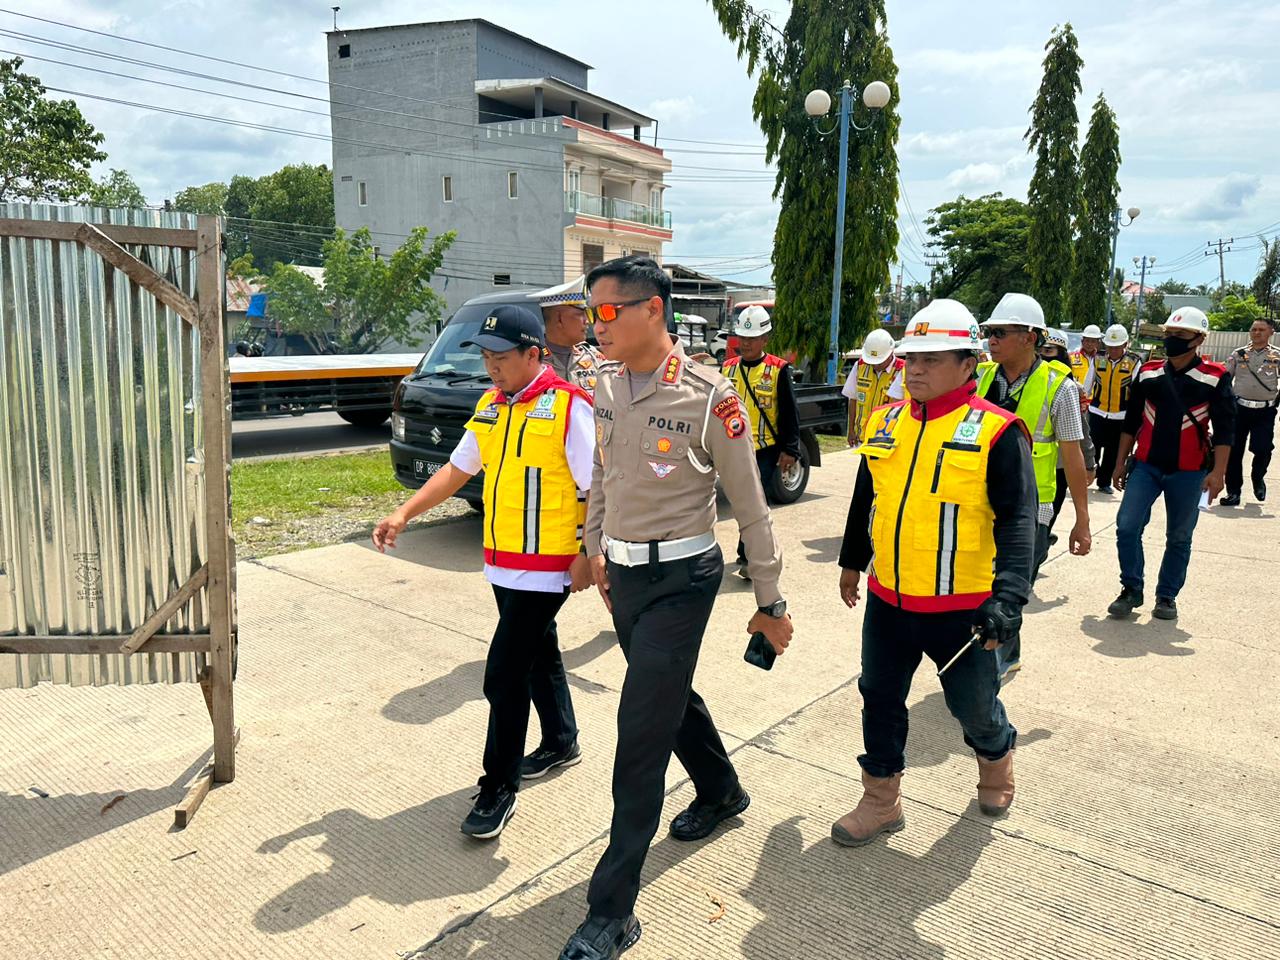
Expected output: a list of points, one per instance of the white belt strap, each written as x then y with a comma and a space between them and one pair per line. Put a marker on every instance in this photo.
627, 554
1255, 404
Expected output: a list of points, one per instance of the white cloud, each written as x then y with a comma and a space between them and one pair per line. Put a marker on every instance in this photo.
674, 109
967, 143
1227, 200
988, 176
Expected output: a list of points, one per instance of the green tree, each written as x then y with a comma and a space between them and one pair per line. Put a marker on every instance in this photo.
1154, 309
1174, 287
282, 217
984, 245
1099, 193
1232, 288
365, 300
1054, 191
1266, 285
209, 198
46, 146
820, 47
1236, 313
116, 189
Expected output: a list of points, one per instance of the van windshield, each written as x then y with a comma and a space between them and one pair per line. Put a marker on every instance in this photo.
447, 356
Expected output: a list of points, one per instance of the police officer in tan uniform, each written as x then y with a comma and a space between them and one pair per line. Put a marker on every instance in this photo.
665, 427
565, 319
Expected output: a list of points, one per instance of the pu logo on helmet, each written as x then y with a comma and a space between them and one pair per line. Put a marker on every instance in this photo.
921, 329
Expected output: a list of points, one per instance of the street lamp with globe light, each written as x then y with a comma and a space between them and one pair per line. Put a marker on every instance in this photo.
1116, 224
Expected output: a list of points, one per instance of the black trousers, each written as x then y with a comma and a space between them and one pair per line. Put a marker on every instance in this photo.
1255, 431
1106, 442
660, 613
524, 645
766, 466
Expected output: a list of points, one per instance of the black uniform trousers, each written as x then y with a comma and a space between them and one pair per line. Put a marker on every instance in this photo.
524, 645
660, 612
1106, 441
766, 466
1255, 431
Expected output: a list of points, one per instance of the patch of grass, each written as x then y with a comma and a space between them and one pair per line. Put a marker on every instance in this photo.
830, 443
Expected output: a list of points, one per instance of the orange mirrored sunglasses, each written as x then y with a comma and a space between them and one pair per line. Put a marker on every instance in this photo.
608, 312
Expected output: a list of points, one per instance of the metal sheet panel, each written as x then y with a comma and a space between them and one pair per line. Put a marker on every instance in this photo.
101, 465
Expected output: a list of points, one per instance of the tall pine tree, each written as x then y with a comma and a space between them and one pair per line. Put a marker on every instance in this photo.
1054, 190
1099, 193
821, 46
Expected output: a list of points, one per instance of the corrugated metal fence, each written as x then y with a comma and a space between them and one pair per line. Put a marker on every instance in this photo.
101, 466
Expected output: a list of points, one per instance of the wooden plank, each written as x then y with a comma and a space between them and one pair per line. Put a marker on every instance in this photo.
199, 789
64, 230
215, 392
139, 272
166, 611
104, 643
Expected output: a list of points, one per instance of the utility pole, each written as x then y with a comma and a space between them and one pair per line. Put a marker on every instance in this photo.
1142, 284
1220, 244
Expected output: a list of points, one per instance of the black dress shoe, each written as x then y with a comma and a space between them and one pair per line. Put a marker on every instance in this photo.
602, 938
1123, 605
699, 819
1259, 490
1230, 500
1165, 609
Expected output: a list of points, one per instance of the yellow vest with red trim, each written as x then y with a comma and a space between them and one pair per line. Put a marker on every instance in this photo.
873, 388
533, 513
1079, 364
763, 378
932, 527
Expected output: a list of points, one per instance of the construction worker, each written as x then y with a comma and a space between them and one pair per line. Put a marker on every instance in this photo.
1113, 372
564, 317
532, 540
1055, 352
1179, 424
943, 522
763, 381
1081, 362
876, 380
1019, 381
665, 428
1255, 376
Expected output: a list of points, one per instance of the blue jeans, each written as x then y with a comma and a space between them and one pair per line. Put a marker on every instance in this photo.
1181, 491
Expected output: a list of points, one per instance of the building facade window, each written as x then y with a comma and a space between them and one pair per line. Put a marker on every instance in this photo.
448, 189
592, 256
574, 185
502, 279
655, 199
513, 190
362, 193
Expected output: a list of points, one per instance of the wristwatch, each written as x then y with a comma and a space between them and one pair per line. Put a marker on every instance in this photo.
777, 609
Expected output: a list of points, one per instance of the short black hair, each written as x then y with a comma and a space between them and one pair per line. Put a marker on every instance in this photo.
1269, 321
636, 274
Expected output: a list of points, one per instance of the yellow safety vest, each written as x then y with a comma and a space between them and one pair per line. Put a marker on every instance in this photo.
932, 528
1034, 403
1079, 366
533, 511
763, 378
873, 388
1111, 383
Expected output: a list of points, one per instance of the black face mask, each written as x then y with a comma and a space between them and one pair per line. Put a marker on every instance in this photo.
1176, 346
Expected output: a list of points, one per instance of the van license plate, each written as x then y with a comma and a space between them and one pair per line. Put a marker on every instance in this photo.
422, 469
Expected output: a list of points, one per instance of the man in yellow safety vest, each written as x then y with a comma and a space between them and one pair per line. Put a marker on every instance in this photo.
1113, 374
876, 379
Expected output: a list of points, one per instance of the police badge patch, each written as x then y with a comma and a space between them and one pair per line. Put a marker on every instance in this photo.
662, 470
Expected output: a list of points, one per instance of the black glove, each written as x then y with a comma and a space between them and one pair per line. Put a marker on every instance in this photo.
998, 620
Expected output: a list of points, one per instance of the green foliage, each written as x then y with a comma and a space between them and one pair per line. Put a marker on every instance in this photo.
210, 198
116, 189
1154, 309
46, 146
1123, 309
984, 243
1054, 191
1175, 287
820, 47
1099, 193
242, 266
1236, 313
1232, 288
1266, 285
366, 300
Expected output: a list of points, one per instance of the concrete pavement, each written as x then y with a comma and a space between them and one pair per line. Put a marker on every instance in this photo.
1144, 826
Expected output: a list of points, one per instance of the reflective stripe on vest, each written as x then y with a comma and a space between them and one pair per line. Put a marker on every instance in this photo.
1035, 401
1111, 383
932, 529
763, 378
533, 509
873, 389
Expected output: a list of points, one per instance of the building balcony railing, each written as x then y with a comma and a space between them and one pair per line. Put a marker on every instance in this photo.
609, 208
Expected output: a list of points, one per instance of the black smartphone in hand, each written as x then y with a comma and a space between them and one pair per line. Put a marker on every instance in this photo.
760, 652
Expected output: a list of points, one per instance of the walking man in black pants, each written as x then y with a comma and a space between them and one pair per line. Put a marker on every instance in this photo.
533, 436
1255, 376
1114, 372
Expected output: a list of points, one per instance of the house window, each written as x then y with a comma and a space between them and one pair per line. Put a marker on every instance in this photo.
362, 193
344, 51
655, 199
502, 279
512, 191
377, 252
575, 182
448, 189
592, 256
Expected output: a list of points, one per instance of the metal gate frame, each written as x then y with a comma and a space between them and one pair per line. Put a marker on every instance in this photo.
204, 314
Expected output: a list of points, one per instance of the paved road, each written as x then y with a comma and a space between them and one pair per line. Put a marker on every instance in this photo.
310, 433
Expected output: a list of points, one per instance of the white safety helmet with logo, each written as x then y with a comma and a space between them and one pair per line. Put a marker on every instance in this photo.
754, 321
1117, 335
1091, 332
1188, 318
1017, 309
942, 325
878, 347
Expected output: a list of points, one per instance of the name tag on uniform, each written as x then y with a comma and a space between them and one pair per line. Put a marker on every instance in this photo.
488, 413
966, 432
544, 409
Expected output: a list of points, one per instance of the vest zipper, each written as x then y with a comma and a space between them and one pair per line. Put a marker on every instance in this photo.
937, 473
902, 507
497, 475
520, 439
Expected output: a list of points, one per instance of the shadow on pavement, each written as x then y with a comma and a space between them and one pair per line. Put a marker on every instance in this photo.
825, 550
1126, 639
934, 736
453, 544
1037, 605
1247, 511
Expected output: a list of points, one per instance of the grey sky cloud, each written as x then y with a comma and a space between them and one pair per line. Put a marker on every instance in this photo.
1226, 201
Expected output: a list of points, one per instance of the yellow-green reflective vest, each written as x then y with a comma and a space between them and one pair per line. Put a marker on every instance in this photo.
1034, 402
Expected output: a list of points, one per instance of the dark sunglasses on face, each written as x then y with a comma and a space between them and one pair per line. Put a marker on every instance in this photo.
608, 312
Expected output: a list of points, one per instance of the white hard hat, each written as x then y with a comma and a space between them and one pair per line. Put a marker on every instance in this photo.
1117, 335
1188, 318
1092, 332
1017, 309
878, 347
753, 322
942, 325
1057, 338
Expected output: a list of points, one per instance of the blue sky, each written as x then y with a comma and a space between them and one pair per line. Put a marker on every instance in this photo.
1195, 86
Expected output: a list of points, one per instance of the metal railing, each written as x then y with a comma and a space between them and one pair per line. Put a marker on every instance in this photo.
610, 208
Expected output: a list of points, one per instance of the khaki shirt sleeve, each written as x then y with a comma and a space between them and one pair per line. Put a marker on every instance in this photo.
592, 533
735, 461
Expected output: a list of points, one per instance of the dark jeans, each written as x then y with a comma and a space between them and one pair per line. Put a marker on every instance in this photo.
893, 643
1255, 431
523, 658
1181, 491
1106, 443
766, 466
660, 618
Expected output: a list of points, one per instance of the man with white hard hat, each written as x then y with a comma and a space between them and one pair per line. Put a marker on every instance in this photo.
1081, 362
564, 316
1055, 351
943, 522
1113, 372
1179, 425
875, 380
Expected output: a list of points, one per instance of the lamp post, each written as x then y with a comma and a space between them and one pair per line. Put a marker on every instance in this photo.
875, 95
1116, 224
1142, 283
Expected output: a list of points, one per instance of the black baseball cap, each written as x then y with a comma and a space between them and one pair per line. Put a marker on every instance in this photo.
508, 326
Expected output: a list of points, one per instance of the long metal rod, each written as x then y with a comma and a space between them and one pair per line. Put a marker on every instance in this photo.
833, 361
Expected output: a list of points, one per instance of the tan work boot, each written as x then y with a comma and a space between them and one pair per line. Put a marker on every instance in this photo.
995, 784
879, 811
